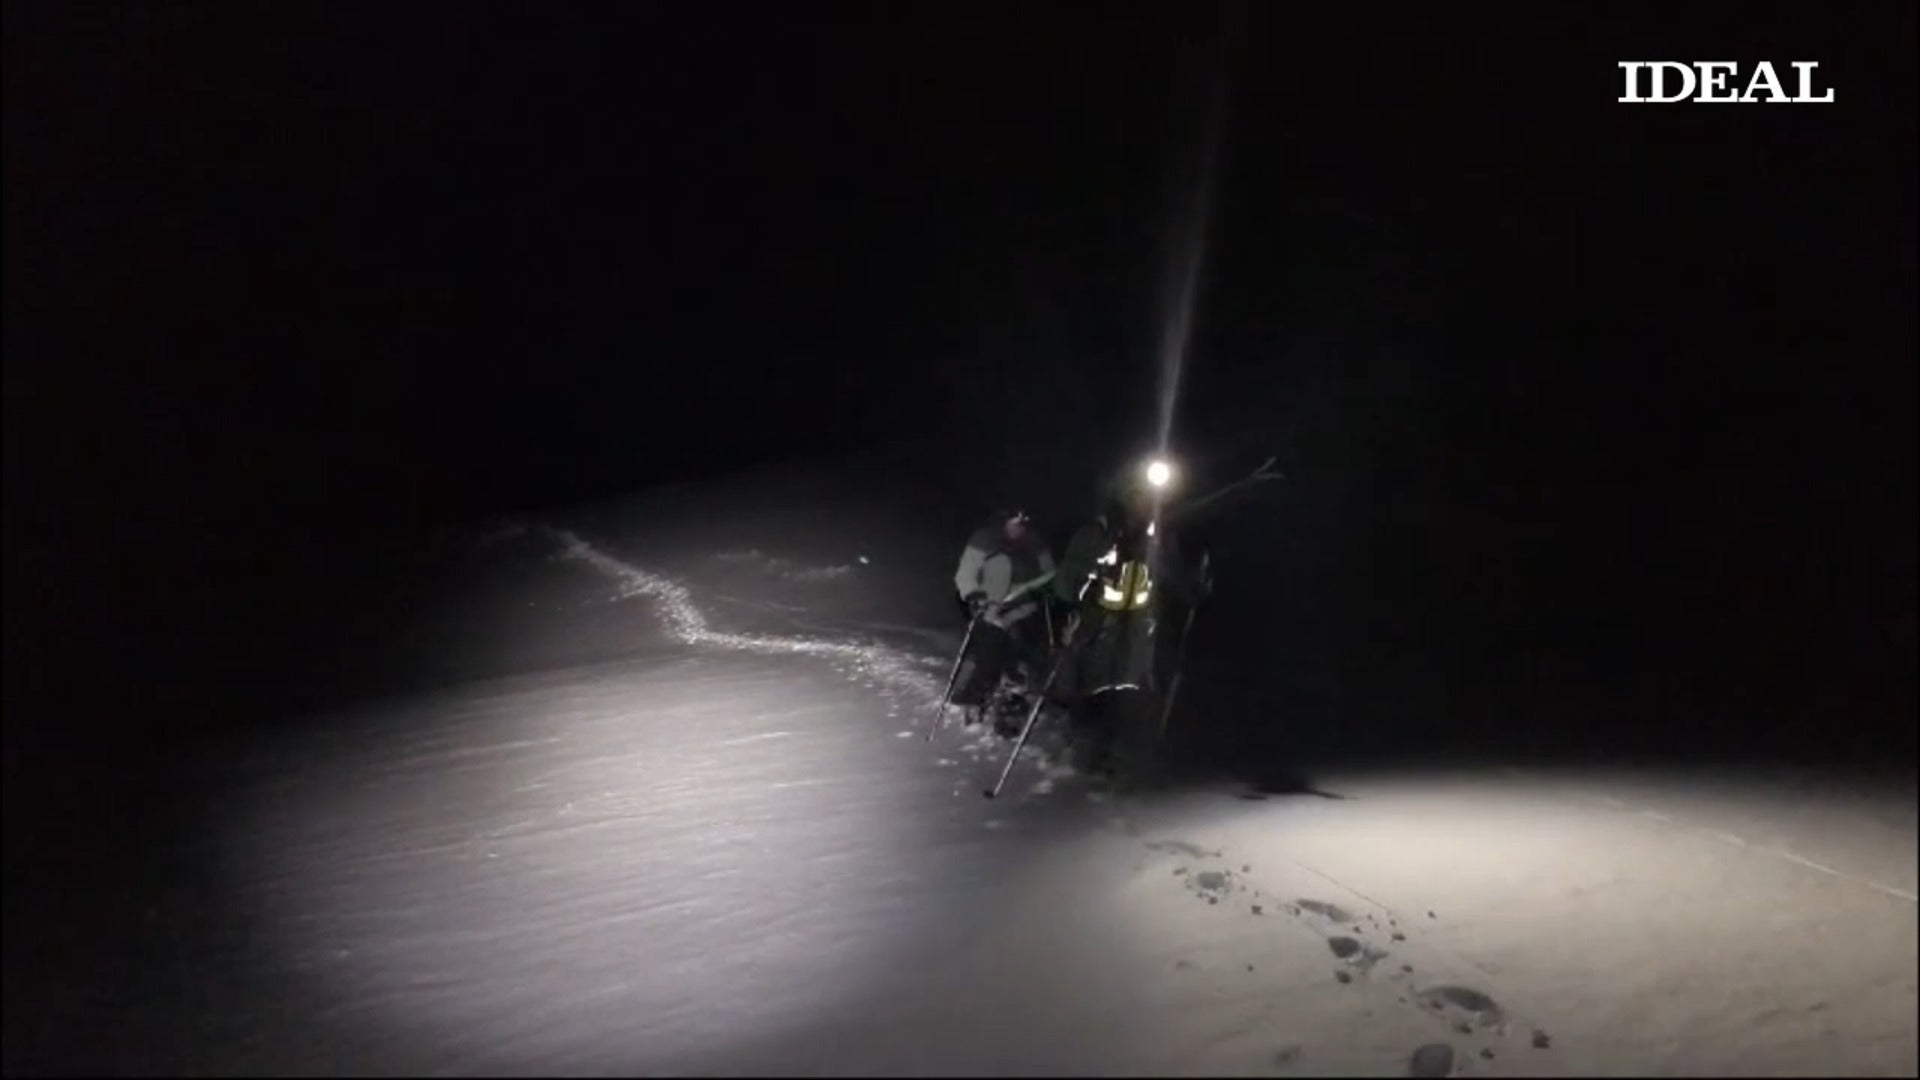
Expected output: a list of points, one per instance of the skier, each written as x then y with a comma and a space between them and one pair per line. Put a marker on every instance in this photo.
1001, 582
1117, 576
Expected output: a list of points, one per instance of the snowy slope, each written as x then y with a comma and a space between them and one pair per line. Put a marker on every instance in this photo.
691, 825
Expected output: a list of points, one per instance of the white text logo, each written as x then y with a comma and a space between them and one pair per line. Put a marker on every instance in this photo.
1716, 80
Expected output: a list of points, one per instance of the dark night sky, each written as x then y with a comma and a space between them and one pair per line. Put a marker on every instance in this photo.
269, 266
1597, 419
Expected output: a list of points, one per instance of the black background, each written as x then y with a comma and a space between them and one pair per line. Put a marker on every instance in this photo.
1569, 392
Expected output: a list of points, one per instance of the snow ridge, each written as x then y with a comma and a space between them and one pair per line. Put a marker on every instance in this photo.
879, 666
787, 568
909, 679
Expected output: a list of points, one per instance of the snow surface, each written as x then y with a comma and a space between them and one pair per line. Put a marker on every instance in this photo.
693, 825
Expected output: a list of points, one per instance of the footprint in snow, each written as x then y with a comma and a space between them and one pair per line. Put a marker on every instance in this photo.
1330, 912
1433, 1059
1182, 847
1210, 885
1486, 1012
1358, 953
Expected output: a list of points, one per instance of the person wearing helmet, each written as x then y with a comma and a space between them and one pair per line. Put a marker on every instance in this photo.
1001, 582
1118, 572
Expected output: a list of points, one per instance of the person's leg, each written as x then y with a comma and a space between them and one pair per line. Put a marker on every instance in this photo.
1010, 695
1094, 660
1136, 742
980, 674
1028, 652
1094, 732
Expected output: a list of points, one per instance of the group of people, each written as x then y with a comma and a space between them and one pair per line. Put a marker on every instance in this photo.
1090, 633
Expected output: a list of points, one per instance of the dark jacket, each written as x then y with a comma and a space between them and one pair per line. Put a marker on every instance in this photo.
1171, 576
1116, 649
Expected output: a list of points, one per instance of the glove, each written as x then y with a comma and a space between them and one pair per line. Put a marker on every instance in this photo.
976, 603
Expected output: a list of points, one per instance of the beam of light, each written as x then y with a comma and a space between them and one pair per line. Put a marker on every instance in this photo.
1190, 236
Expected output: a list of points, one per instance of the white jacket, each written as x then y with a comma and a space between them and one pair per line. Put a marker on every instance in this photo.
1010, 575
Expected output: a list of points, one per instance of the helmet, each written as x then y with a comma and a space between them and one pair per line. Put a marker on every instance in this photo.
1010, 522
1009, 513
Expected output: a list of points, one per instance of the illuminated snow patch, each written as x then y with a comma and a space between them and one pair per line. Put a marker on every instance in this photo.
873, 664
787, 568
915, 678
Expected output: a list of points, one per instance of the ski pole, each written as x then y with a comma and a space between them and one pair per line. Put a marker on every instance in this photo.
940, 716
1033, 714
1259, 475
1040, 699
1046, 613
